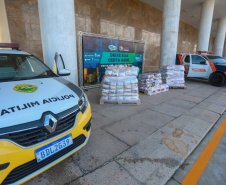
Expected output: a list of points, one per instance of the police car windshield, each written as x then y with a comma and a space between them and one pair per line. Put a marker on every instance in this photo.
22, 67
217, 59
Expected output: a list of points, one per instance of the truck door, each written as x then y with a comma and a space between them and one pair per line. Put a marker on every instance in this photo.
186, 60
198, 66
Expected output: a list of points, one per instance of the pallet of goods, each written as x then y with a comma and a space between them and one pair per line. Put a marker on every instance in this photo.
120, 86
151, 83
173, 75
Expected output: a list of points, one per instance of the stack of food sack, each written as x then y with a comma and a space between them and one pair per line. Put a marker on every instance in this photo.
120, 85
173, 75
151, 83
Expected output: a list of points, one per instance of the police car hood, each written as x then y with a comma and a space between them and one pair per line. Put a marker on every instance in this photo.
26, 101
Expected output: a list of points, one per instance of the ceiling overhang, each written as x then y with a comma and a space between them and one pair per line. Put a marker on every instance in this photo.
191, 11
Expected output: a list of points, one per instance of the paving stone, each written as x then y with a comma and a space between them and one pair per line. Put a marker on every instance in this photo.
172, 182
197, 94
94, 99
95, 105
101, 147
169, 109
150, 161
190, 98
216, 100
181, 103
130, 131
99, 121
212, 107
193, 125
110, 174
189, 162
222, 118
153, 118
153, 100
93, 94
61, 173
177, 139
136, 108
203, 114
221, 92
116, 113
172, 93
220, 96
207, 90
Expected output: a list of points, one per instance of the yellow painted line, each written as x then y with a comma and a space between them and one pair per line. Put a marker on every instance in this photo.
198, 168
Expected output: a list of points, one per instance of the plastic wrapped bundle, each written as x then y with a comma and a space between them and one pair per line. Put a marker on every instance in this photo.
173, 75
152, 83
146, 76
121, 71
122, 90
155, 90
147, 80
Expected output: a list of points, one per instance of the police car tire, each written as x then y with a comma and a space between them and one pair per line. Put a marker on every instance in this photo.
217, 79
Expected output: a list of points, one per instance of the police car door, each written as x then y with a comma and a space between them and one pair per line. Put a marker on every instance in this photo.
198, 66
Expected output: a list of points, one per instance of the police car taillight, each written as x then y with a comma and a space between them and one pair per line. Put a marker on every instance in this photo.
9, 45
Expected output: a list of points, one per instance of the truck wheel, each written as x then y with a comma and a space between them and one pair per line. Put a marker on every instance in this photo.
217, 79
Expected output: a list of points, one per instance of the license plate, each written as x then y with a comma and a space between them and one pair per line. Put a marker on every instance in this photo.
52, 148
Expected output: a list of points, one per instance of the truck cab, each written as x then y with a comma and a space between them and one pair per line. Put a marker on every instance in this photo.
205, 66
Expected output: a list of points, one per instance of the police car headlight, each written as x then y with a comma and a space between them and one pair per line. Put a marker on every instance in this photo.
83, 102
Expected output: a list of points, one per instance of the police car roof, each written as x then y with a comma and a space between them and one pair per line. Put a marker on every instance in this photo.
18, 52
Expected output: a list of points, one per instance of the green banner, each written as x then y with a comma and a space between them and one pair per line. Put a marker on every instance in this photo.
99, 53
117, 58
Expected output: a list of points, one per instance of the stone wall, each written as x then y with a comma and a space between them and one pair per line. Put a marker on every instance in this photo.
4, 27
130, 19
24, 25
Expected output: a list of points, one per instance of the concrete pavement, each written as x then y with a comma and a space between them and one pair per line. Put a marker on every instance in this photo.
143, 144
215, 170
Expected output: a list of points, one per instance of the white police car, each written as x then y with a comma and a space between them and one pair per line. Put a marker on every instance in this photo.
43, 117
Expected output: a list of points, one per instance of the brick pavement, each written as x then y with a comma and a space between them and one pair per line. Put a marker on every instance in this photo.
143, 144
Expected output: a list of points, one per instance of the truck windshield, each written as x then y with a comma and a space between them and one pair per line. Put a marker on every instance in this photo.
22, 67
217, 60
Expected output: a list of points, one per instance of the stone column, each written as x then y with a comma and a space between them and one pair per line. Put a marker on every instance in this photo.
4, 27
57, 22
220, 37
205, 25
170, 27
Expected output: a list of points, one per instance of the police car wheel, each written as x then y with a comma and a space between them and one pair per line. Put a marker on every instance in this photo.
217, 79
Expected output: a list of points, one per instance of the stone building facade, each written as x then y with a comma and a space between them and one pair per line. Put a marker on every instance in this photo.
131, 19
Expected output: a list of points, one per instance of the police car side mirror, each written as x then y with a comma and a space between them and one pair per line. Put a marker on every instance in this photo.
64, 72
